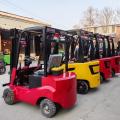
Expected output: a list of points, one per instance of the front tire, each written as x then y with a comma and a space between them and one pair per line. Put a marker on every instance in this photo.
82, 87
101, 79
8, 96
113, 73
48, 108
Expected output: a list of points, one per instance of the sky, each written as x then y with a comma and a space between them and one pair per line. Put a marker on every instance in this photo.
63, 14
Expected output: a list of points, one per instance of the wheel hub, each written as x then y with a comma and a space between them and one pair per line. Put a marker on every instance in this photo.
46, 109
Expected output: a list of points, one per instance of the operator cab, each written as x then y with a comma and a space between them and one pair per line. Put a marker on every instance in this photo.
30, 70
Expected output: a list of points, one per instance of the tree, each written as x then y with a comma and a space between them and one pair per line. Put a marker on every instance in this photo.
89, 18
93, 17
117, 16
106, 16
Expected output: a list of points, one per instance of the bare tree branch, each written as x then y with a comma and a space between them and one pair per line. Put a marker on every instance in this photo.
117, 16
89, 18
106, 16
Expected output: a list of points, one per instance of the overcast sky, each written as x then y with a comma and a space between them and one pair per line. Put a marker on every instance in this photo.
62, 14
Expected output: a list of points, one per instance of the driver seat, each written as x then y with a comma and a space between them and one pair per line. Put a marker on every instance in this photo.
54, 61
35, 79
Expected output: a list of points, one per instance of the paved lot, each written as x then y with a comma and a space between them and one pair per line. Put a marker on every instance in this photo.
99, 104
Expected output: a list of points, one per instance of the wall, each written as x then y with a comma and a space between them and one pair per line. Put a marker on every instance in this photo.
8, 23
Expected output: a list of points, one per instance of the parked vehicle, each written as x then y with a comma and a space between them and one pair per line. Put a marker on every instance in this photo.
38, 84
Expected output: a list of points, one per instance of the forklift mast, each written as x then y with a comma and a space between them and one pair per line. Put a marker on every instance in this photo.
19, 38
58, 37
24, 37
91, 46
104, 54
14, 33
101, 38
108, 47
77, 40
88, 44
113, 46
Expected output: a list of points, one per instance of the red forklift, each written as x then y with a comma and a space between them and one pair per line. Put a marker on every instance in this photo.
101, 53
35, 82
115, 59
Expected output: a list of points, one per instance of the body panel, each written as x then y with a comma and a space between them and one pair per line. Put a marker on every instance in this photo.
60, 89
106, 71
82, 71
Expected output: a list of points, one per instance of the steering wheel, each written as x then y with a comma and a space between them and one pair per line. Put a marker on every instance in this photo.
28, 60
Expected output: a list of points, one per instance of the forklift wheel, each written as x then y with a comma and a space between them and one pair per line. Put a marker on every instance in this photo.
82, 87
48, 108
2, 70
101, 78
8, 96
113, 73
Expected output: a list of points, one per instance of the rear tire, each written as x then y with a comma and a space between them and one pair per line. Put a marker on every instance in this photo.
113, 73
48, 108
8, 96
101, 78
82, 87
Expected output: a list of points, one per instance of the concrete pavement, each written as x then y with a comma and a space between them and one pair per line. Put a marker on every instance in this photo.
99, 104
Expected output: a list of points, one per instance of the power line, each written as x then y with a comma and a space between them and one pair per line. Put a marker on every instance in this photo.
18, 7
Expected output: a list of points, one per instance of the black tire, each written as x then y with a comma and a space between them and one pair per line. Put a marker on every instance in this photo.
48, 108
82, 87
101, 78
113, 73
8, 96
2, 70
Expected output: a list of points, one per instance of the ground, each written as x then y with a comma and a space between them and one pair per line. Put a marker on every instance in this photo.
99, 104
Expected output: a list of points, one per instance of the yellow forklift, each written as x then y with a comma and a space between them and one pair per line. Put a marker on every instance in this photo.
88, 73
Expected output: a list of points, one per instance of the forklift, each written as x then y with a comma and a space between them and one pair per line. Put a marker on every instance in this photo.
109, 62
36, 82
87, 72
115, 59
101, 54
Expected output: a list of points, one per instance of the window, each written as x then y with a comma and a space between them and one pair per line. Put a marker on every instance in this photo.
113, 29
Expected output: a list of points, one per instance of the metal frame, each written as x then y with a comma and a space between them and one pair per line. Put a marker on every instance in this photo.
45, 31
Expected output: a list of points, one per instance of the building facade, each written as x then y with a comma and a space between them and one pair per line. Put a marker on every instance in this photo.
113, 30
9, 21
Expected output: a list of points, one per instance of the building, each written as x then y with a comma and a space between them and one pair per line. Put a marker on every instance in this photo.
113, 30
8, 21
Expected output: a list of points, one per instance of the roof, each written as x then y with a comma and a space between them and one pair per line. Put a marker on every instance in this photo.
2, 13
118, 25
